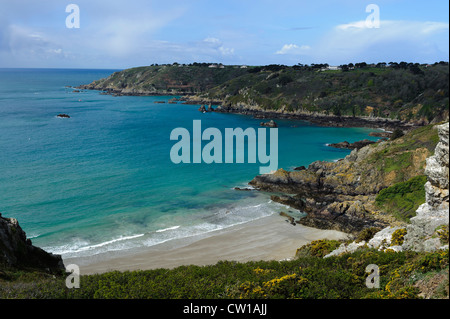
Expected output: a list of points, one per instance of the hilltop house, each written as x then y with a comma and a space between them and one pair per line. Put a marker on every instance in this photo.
331, 68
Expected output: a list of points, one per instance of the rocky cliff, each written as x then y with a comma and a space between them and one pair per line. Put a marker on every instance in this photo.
340, 195
428, 230
433, 216
16, 251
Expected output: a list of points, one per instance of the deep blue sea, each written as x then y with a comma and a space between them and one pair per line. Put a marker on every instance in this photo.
102, 180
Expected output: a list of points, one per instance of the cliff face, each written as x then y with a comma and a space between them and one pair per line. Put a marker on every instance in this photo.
428, 230
18, 252
341, 195
423, 232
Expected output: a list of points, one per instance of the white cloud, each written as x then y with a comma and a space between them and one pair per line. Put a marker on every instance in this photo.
404, 40
212, 41
357, 25
23, 42
214, 44
293, 49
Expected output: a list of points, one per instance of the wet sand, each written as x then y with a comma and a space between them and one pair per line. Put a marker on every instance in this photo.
268, 238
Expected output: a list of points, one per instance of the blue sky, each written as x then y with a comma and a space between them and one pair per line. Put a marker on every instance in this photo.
127, 33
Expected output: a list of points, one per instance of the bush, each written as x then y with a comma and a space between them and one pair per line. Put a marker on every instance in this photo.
398, 237
318, 248
307, 277
442, 233
367, 234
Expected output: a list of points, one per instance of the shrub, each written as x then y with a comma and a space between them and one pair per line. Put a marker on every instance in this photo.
318, 248
398, 237
367, 234
442, 233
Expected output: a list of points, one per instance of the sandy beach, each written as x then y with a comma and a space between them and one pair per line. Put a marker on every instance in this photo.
268, 238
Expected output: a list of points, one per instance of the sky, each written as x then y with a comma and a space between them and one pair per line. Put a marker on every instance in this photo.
118, 34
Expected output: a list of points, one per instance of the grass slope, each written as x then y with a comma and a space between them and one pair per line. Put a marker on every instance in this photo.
306, 277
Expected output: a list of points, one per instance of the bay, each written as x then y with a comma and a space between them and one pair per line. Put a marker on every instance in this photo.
102, 180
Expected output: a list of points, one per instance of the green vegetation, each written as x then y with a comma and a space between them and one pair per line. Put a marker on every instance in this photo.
305, 277
403, 199
169, 79
367, 234
318, 248
398, 237
403, 158
402, 91
396, 134
442, 233
396, 93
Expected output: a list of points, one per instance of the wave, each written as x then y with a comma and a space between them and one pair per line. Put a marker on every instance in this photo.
201, 224
166, 229
80, 245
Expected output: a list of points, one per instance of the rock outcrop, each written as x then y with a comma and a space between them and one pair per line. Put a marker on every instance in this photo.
340, 195
16, 251
271, 123
356, 145
422, 233
425, 232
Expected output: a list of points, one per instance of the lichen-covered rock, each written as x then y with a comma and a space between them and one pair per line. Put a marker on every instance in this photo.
383, 238
430, 216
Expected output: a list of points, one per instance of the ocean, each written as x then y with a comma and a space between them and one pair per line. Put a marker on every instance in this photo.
103, 181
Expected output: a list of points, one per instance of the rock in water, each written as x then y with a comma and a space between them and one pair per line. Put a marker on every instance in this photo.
356, 145
271, 123
17, 251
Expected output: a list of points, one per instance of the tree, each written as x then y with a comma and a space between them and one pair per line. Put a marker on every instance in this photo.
360, 65
415, 69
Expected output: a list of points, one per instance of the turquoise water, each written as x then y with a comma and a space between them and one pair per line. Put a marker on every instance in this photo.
103, 180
